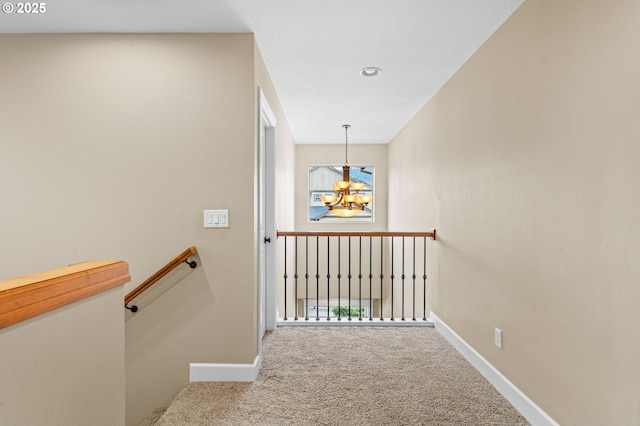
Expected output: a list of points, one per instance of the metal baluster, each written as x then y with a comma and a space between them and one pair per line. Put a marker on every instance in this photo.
349, 276
392, 277
381, 277
339, 276
306, 279
414, 279
424, 279
403, 278
295, 289
370, 278
285, 278
360, 280
317, 278
328, 279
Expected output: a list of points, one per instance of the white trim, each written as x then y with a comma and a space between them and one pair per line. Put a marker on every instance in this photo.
205, 372
532, 412
267, 298
355, 322
266, 113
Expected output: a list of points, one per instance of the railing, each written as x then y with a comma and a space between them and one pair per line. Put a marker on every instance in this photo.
373, 276
30, 295
161, 274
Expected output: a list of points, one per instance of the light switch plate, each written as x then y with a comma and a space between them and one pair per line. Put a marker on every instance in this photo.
216, 218
498, 337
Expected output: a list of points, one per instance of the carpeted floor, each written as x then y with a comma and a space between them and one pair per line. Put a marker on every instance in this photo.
350, 376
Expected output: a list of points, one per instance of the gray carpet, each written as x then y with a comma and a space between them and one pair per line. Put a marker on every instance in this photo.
350, 376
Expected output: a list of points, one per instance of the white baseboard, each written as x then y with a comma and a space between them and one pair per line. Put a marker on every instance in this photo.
204, 372
529, 410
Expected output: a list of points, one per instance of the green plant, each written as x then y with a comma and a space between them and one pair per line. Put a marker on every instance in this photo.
343, 311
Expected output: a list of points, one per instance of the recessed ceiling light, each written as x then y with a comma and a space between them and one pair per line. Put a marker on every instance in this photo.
370, 72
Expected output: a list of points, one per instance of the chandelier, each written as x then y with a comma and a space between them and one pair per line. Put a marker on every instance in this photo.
344, 202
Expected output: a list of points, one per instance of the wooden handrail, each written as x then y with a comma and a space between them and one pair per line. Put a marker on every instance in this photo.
183, 257
30, 295
430, 234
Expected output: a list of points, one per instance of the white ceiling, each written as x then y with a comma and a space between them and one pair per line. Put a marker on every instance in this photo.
314, 49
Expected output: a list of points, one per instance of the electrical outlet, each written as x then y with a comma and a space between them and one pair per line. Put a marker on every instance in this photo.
498, 337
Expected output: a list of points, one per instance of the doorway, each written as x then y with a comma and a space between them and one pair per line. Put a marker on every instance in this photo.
266, 218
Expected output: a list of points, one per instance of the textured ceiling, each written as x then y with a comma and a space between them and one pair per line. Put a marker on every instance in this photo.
314, 49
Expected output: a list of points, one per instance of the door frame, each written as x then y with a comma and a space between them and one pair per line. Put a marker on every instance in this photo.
267, 313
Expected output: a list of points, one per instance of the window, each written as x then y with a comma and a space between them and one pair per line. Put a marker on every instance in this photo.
321, 180
324, 308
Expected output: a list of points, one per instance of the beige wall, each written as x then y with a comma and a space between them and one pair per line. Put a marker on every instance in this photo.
333, 154
149, 130
285, 148
112, 147
528, 162
65, 367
